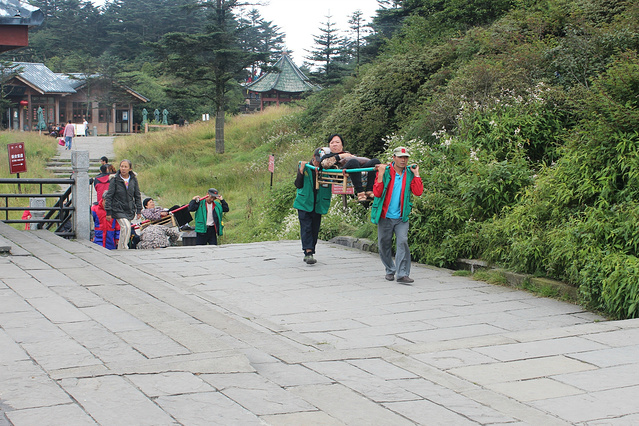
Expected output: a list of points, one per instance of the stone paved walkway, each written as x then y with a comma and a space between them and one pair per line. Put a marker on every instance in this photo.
248, 334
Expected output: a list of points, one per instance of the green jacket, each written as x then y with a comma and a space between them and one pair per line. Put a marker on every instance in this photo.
410, 185
200, 215
309, 199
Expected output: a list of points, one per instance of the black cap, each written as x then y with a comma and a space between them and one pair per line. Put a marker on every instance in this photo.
213, 192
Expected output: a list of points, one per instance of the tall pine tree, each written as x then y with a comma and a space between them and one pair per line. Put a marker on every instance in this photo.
329, 47
357, 26
260, 36
130, 24
206, 64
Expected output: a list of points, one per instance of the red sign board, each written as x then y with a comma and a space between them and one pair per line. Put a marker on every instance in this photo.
17, 159
339, 189
271, 163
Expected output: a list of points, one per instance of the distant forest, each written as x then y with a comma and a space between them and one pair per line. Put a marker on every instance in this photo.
130, 40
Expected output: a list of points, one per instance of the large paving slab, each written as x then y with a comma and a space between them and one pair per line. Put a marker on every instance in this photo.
249, 334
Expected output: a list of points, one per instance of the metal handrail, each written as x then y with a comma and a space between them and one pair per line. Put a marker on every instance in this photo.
64, 218
36, 209
58, 215
37, 180
56, 195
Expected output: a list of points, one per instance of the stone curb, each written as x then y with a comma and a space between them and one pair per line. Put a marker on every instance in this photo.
563, 290
356, 243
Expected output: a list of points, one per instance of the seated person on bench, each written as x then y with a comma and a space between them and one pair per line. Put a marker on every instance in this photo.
153, 213
150, 212
345, 160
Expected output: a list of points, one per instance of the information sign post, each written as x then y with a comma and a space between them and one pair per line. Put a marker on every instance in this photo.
271, 166
17, 160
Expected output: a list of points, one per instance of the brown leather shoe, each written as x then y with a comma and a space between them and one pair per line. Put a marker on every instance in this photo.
405, 280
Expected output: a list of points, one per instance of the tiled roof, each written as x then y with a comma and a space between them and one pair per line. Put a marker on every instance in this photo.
289, 79
43, 79
15, 12
74, 79
77, 80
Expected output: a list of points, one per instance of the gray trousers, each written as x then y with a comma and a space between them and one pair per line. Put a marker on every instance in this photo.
385, 230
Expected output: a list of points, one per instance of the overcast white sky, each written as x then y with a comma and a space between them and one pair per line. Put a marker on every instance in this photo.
300, 20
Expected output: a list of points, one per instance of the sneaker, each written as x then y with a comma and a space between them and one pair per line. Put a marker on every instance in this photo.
405, 280
310, 259
390, 277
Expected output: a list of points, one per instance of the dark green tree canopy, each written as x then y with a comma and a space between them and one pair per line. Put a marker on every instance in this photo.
328, 53
206, 64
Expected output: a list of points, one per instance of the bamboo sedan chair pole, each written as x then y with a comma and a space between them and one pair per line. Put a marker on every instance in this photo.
165, 220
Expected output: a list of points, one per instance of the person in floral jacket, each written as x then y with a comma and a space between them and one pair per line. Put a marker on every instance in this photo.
158, 236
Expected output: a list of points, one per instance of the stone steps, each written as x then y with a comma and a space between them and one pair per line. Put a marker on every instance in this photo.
62, 166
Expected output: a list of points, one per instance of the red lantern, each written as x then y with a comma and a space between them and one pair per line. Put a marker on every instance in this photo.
24, 103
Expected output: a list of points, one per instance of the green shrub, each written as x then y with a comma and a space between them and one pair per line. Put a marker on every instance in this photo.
352, 220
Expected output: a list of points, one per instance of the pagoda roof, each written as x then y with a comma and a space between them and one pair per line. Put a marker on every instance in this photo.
286, 78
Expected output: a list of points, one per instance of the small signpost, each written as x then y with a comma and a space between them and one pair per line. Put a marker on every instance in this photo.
271, 166
17, 160
339, 189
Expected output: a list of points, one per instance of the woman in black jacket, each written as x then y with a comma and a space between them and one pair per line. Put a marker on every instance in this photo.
122, 201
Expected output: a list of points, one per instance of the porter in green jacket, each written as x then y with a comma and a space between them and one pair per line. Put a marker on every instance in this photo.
311, 204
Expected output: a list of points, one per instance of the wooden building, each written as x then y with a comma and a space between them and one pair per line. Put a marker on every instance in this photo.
64, 97
285, 84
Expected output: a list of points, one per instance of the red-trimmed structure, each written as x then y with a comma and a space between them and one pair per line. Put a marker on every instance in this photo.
15, 19
287, 83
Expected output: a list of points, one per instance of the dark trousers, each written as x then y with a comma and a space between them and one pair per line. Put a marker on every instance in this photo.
208, 237
356, 178
309, 229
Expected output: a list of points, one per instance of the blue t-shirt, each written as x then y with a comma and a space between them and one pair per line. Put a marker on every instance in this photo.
394, 206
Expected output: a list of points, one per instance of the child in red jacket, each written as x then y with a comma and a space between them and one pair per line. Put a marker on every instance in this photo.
106, 234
